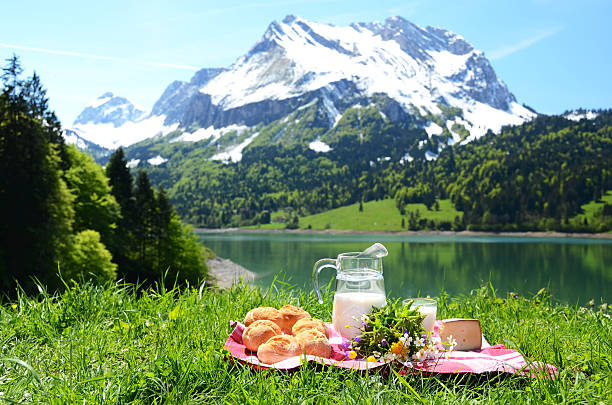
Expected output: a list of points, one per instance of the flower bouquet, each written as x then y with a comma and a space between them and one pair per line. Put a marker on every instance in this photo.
394, 332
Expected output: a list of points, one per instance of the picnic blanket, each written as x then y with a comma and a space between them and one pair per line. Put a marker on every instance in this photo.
487, 359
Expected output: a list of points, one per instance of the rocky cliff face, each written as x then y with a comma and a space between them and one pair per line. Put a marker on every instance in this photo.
176, 99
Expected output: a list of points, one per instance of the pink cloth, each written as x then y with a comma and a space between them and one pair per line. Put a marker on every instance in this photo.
488, 359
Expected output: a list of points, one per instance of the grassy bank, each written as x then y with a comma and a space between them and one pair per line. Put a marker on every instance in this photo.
381, 215
113, 345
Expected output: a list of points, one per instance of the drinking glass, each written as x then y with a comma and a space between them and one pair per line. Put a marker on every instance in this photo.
427, 307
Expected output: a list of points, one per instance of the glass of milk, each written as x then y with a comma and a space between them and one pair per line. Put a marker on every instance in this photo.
427, 307
359, 287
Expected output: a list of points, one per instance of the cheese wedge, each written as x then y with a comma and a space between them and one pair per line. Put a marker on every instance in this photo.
466, 332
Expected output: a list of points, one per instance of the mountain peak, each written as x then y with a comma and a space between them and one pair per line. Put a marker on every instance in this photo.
424, 72
417, 66
109, 109
289, 19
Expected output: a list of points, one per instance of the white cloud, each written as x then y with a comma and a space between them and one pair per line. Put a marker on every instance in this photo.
526, 43
99, 57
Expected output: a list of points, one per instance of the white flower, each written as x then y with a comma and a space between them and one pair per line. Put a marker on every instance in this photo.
452, 342
419, 356
376, 354
435, 340
402, 339
419, 342
365, 318
389, 356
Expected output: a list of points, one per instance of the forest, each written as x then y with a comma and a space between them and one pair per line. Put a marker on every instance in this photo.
66, 218
534, 176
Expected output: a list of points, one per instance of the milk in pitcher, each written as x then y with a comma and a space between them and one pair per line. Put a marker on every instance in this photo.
350, 306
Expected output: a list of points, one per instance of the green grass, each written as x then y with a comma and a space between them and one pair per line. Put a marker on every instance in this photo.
111, 344
594, 207
380, 215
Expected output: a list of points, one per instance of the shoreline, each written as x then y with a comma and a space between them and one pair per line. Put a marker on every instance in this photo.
224, 273
527, 234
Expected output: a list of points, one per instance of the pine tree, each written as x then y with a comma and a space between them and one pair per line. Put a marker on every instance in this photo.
161, 224
34, 202
144, 200
121, 182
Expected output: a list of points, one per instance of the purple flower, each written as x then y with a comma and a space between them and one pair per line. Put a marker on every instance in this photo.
383, 342
357, 339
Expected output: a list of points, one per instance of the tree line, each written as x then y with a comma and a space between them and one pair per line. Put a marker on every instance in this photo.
64, 217
534, 176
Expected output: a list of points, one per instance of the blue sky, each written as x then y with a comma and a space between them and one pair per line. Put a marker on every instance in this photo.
553, 55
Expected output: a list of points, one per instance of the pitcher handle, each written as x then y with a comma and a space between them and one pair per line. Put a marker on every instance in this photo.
320, 265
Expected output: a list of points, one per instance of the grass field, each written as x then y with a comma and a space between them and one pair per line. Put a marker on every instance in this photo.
380, 215
114, 345
593, 207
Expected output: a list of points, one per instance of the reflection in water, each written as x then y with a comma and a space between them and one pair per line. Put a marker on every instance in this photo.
573, 269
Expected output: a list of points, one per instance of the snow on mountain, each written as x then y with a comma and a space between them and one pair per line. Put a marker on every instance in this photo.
421, 67
425, 72
110, 136
578, 115
111, 121
208, 133
319, 146
157, 160
95, 150
109, 109
235, 154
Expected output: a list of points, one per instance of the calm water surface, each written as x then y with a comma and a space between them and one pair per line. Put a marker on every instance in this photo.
573, 269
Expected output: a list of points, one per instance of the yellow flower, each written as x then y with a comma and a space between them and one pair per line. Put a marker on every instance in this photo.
352, 354
398, 348
371, 359
14, 306
347, 326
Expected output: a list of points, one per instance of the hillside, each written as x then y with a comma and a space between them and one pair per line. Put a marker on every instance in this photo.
530, 177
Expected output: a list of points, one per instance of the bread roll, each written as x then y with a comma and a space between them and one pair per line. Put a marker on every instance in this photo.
290, 315
310, 323
279, 348
258, 333
259, 313
314, 342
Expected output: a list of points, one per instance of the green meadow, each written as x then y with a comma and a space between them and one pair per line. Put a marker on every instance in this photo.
381, 215
115, 344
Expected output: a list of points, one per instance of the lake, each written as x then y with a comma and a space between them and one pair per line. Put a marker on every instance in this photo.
573, 269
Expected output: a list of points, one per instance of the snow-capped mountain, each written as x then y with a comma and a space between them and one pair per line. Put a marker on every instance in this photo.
111, 121
109, 109
420, 67
422, 72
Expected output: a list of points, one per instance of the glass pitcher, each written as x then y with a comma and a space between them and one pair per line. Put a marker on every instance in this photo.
359, 287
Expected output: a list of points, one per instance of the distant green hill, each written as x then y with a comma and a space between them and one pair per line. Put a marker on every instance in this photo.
536, 176
382, 215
